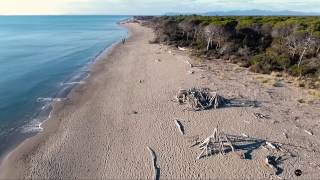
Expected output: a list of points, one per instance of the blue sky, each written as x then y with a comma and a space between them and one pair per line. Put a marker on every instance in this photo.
149, 6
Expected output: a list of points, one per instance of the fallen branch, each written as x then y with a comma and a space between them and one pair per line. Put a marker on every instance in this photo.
182, 49
272, 162
271, 145
261, 116
180, 126
269, 162
308, 132
156, 174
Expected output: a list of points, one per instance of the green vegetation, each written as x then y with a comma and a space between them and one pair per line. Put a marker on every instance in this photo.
265, 44
304, 23
267, 62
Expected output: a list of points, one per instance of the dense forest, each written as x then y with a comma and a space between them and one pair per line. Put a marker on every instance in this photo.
264, 44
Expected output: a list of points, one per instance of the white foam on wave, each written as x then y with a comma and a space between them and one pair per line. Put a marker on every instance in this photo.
45, 107
41, 99
73, 83
32, 127
87, 76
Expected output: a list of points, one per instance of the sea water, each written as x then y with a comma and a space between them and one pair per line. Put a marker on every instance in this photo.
41, 59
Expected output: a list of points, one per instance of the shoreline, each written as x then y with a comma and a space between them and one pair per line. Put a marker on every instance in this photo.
37, 128
31, 129
105, 130
53, 104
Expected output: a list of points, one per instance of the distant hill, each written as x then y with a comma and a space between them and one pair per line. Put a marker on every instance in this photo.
177, 14
256, 12
253, 12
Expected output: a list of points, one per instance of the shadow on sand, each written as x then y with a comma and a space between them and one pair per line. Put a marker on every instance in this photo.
235, 102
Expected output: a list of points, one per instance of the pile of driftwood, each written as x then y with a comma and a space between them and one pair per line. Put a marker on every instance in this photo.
221, 143
218, 142
200, 98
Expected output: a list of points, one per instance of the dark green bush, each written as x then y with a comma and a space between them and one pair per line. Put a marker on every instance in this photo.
267, 62
305, 69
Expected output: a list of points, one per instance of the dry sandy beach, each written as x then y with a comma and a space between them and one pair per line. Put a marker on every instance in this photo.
104, 129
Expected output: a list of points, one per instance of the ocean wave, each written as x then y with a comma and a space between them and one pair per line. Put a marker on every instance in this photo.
72, 83
32, 127
41, 99
46, 106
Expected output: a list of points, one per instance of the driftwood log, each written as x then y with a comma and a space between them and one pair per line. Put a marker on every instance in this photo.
156, 169
179, 126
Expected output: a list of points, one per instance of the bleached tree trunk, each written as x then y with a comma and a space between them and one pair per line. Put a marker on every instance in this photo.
209, 44
218, 44
300, 60
293, 53
301, 56
307, 45
195, 34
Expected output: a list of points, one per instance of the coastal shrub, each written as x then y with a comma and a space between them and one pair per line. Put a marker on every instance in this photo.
249, 37
296, 71
265, 44
267, 62
305, 69
200, 45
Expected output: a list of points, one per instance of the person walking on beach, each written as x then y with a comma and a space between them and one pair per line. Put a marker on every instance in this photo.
123, 40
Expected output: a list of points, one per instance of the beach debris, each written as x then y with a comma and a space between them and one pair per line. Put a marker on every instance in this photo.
202, 76
191, 72
216, 143
285, 135
182, 96
308, 132
191, 65
298, 172
158, 60
193, 140
156, 169
272, 146
272, 162
200, 98
141, 81
182, 49
243, 147
261, 116
244, 135
179, 126
134, 112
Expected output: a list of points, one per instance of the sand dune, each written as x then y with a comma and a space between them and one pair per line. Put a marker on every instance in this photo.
105, 127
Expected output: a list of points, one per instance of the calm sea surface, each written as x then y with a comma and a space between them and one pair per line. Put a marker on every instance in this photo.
41, 59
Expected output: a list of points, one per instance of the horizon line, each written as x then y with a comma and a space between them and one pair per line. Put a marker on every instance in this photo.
316, 13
